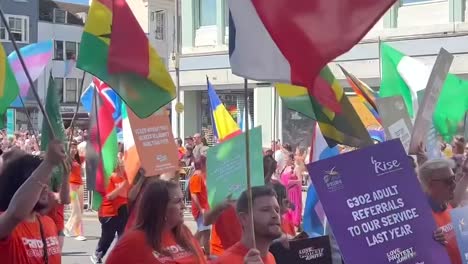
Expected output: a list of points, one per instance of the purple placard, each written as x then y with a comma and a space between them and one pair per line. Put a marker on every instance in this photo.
376, 207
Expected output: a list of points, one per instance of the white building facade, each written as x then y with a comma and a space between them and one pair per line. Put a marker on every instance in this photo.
418, 28
63, 23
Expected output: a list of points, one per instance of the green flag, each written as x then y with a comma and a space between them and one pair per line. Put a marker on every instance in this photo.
52, 108
407, 77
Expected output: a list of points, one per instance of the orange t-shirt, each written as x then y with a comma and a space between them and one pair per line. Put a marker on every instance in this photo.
56, 214
75, 174
197, 186
110, 208
133, 248
226, 231
444, 221
236, 254
25, 245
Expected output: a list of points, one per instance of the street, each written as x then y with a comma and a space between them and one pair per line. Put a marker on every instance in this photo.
78, 252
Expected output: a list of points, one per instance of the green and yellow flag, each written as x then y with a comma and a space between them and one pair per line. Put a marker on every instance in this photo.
115, 49
340, 125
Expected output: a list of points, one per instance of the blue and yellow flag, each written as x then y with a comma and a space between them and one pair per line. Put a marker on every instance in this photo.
224, 127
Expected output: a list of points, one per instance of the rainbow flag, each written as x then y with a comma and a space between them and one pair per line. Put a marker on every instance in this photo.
115, 49
364, 92
224, 126
9, 89
339, 123
36, 57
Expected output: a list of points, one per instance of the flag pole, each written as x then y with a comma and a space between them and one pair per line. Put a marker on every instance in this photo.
23, 64
274, 118
72, 123
177, 61
247, 157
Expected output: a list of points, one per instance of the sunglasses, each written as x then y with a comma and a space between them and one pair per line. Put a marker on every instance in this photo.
447, 181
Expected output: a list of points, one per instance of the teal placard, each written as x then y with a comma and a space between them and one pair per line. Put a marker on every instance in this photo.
11, 119
227, 168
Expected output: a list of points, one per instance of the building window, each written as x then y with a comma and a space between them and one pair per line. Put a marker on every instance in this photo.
59, 87
70, 90
58, 50
70, 50
60, 16
207, 13
19, 26
159, 18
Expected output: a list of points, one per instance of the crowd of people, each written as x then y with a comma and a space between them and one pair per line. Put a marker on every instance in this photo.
147, 215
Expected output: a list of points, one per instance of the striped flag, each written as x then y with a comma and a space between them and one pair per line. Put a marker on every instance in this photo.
241, 121
314, 216
364, 92
339, 123
36, 57
9, 88
224, 126
131, 158
101, 150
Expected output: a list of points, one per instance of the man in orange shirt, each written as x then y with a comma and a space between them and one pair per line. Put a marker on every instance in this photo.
439, 183
199, 195
267, 227
113, 212
27, 236
226, 230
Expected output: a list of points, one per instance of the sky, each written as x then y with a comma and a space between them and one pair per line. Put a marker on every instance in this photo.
86, 2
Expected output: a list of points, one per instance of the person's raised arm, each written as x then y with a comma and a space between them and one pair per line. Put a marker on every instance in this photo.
27, 196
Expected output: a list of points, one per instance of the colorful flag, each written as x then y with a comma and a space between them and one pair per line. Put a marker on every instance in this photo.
314, 216
341, 126
101, 149
402, 75
408, 77
241, 121
295, 48
131, 158
135, 71
36, 56
364, 92
52, 108
109, 96
319, 147
224, 126
296, 98
9, 88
